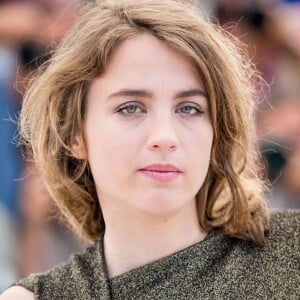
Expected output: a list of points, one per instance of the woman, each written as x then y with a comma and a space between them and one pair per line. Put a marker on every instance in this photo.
142, 126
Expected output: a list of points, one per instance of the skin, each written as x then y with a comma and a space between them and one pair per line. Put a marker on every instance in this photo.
145, 219
167, 121
17, 293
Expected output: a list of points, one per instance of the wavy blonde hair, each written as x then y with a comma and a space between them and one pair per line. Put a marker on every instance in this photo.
231, 198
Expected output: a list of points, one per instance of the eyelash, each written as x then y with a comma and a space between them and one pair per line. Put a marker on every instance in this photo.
124, 107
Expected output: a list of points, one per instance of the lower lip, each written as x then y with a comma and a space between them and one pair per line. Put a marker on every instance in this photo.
161, 176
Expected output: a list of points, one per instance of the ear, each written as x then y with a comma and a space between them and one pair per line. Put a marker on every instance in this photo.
78, 148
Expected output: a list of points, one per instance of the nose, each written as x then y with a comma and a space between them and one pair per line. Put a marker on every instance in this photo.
162, 134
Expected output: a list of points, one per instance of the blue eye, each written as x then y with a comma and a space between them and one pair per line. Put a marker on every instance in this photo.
129, 109
190, 110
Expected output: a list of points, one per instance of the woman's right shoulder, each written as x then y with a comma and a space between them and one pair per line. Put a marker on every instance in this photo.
17, 293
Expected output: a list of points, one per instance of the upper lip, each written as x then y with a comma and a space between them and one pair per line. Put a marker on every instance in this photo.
161, 168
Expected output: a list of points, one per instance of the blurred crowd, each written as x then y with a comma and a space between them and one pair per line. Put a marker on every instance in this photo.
31, 237
270, 28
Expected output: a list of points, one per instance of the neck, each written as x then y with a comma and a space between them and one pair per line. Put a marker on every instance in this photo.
142, 240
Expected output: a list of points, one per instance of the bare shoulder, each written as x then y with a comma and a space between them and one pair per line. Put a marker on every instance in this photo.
17, 292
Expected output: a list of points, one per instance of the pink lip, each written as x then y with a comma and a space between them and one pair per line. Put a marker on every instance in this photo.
162, 173
161, 168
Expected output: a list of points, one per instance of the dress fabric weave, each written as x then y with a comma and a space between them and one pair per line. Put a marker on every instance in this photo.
219, 267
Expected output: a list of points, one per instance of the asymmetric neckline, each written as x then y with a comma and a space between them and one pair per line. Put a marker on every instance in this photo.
218, 267
151, 266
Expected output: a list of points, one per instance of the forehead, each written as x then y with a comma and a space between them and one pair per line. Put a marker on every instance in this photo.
145, 59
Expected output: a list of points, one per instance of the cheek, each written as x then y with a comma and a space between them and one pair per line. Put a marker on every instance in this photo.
201, 149
110, 152
200, 139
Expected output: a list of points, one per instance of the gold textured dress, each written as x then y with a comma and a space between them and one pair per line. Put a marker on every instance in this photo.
219, 267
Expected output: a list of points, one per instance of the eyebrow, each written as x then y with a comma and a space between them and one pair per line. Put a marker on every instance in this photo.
148, 94
131, 93
191, 93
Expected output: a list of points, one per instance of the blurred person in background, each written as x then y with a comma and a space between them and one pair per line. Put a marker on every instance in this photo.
28, 32
270, 29
281, 151
17, 22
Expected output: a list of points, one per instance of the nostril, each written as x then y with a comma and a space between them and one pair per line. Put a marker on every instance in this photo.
164, 147
162, 141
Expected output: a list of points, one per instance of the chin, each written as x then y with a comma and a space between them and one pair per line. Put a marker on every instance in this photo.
160, 208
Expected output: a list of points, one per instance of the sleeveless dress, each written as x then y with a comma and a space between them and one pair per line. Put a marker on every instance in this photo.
219, 267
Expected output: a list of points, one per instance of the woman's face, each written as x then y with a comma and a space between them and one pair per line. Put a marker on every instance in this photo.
148, 108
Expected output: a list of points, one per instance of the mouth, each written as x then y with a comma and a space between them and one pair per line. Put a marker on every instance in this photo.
161, 173
161, 168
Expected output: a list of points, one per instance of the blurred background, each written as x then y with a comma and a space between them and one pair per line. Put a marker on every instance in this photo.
31, 237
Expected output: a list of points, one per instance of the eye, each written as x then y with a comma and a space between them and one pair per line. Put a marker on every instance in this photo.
129, 109
190, 110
